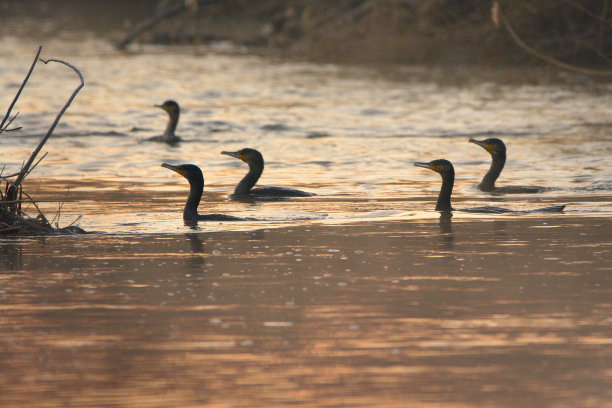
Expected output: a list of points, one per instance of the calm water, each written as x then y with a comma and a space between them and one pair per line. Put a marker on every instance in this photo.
360, 296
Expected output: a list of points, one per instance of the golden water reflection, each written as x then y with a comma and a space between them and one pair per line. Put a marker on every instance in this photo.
361, 296
367, 314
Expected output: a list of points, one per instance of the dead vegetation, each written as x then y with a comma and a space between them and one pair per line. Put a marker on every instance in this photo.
571, 34
14, 200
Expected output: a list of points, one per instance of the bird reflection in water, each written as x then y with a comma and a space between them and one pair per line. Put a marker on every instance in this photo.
196, 243
500, 230
447, 237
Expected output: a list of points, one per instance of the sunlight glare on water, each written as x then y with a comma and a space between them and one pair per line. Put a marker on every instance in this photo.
360, 296
336, 131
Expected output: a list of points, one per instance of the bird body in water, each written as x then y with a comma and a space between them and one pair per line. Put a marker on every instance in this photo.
245, 189
447, 171
169, 136
193, 174
497, 150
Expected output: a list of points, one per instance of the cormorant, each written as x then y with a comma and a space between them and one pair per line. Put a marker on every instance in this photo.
447, 171
196, 181
256, 165
497, 150
173, 116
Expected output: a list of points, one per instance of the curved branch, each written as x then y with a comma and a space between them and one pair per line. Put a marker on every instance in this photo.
499, 16
157, 18
588, 12
150, 22
25, 168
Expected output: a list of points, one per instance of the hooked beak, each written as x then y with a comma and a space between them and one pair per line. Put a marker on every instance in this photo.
171, 167
424, 165
232, 154
429, 166
487, 146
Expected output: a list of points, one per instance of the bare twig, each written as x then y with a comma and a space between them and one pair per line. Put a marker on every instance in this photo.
159, 17
4, 129
57, 216
36, 164
19, 205
10, 130
14, 218
597, 51
29, 171
20, 211
29, 200
8, 112
588, 12
150, 22
553, 61
25, 168
75, 221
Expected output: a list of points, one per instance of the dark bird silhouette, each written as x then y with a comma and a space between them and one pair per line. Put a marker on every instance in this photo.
173, 116
447, 171
497, 150
193, 174
245, 189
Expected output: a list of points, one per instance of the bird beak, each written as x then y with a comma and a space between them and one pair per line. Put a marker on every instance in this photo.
171, 167
232, 154
487, 146
161, 107
418, 164
427, 166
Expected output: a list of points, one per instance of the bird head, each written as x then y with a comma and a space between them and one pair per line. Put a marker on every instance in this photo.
493, 145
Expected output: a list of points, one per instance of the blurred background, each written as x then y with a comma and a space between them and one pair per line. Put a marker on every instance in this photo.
575, 32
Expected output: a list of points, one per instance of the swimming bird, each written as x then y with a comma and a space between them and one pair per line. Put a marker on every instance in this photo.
447, 171
173, 110
497, 150
256, 165
193, 174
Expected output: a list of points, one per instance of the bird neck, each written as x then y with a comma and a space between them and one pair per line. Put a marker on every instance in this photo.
195, 195
171, 126
248, 181
444, 198
497, 165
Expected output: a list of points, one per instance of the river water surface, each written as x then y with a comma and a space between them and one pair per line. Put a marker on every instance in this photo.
360, 296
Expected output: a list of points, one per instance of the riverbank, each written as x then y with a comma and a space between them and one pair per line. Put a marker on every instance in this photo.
380, 32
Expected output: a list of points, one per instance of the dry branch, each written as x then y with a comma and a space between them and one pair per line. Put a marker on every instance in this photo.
162, 15
12, 219
8, 112
25, 168
498, 16
5, 127
589, 13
